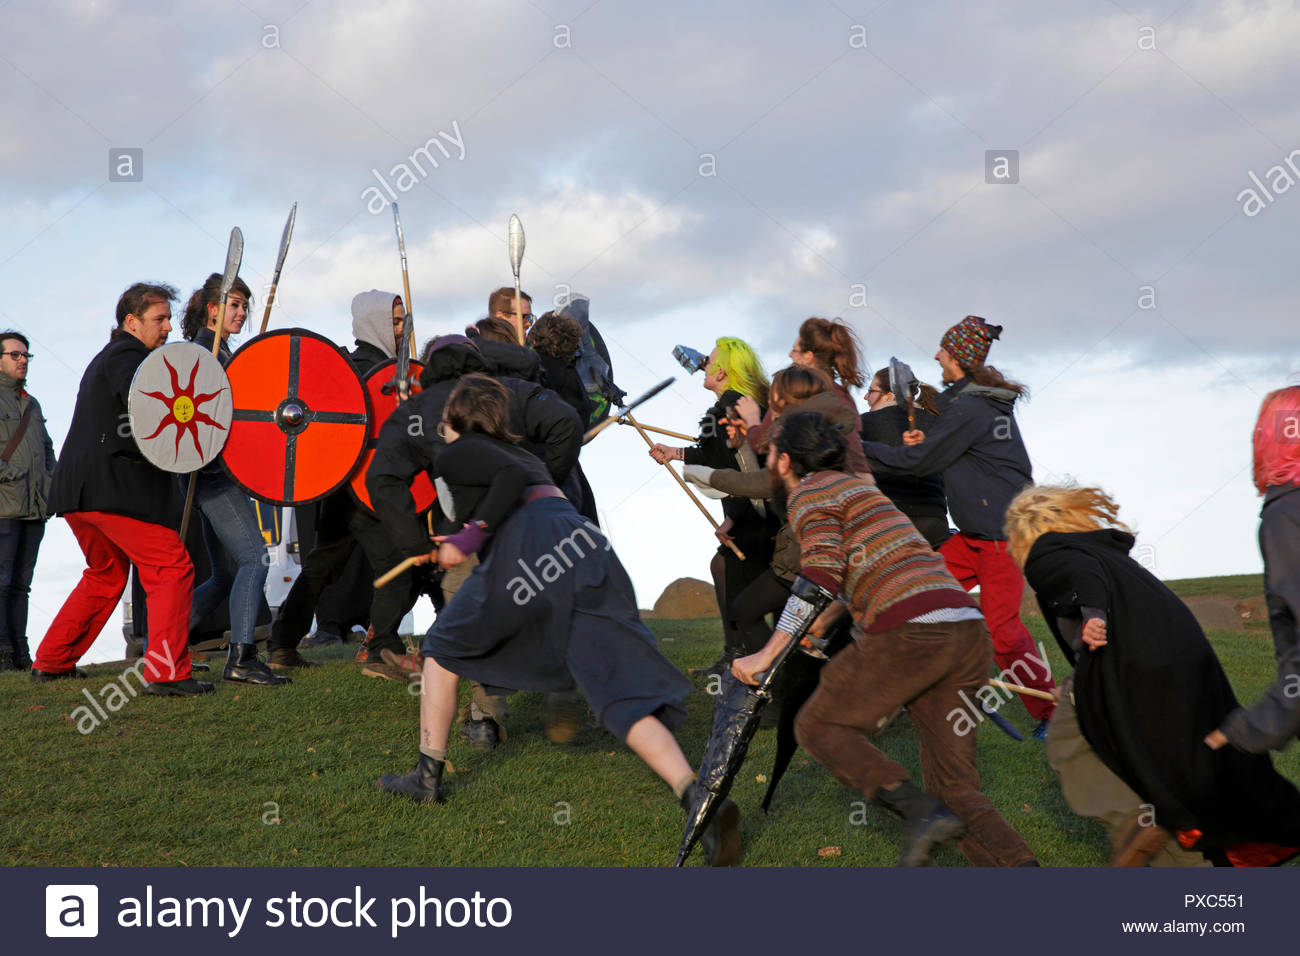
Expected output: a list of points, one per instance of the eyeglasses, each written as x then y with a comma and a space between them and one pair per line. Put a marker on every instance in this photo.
19, 356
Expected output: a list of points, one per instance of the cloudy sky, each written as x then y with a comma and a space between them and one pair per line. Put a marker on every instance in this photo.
699, 170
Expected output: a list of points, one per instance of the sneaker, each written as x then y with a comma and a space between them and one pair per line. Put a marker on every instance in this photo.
363, 652
1040, 730
481, 734
716, 669
40, 677
386, 671
179, 688
411, 663
319, 638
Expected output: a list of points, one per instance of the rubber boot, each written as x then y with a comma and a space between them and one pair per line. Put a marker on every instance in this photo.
423, 784
243, 667
927, 823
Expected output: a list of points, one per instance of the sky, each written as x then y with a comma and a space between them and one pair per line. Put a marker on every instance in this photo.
702, 170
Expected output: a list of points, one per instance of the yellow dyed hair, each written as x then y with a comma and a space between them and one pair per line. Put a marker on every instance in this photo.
1065, 508
744, 371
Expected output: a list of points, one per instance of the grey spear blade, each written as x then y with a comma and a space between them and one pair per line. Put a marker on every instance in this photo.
284, 240
516, 244
234, 256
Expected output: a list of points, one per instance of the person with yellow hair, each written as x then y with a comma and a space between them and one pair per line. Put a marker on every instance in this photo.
1147, 685
731, 373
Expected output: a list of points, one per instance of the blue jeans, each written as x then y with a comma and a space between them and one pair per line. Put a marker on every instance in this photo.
19, 541
236, 551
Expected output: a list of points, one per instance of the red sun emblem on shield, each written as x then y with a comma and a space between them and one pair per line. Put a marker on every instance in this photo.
184, 409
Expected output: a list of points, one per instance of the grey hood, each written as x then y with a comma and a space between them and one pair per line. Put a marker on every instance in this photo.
372, 320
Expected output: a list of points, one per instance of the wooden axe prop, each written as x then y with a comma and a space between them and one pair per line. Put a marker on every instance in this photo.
234, 256
904, 386
279, 265
516, 244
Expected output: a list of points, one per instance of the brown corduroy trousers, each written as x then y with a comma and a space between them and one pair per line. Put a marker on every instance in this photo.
923, 667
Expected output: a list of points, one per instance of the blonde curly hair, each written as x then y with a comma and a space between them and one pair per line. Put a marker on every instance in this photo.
1066, 508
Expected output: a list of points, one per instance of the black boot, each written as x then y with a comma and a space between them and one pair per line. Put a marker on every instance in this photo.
243, 667
721, 840
927, 823
423, 784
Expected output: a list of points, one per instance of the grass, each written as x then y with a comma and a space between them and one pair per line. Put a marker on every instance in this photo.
201, 782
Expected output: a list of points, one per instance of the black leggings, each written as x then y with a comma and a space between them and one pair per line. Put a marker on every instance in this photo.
765, 595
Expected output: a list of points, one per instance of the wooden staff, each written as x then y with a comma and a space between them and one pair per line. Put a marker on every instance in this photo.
234, 256
279, 264
685, 487
1027, 691
393, 572
661, 431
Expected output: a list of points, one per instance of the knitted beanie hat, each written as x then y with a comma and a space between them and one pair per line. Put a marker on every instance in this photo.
968, 341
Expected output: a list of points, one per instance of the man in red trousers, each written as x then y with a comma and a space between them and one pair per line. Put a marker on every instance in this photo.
976, 445
122, 510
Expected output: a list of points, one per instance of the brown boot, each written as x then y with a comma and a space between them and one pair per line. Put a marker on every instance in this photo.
381, 668
1139, 845
288, 658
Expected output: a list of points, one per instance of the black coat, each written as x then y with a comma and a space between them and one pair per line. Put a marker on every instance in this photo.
408, 441
513, 361
100, 468
976, 445
917, 496
1147, 698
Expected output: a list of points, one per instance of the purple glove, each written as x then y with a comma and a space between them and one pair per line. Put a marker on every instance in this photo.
470, 538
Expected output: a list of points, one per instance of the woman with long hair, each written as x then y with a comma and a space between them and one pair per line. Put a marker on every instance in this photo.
733, 374
1274, 720
831, 346
1146, 686
234, 542
548, 608
920, 497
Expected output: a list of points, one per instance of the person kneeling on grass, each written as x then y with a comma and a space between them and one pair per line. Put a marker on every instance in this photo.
549, 607
918, 642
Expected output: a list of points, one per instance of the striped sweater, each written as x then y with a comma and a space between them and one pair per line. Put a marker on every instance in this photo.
854, 542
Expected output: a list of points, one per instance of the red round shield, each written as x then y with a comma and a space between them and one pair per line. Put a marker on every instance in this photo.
383, 402
301, 417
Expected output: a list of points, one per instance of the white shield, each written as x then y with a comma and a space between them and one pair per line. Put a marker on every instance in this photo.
180, 407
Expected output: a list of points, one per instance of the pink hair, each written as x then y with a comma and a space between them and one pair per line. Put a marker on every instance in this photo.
1277, 439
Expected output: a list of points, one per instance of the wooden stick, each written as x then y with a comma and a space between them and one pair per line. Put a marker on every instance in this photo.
662, 431
1027, 691
392, 573
685, 487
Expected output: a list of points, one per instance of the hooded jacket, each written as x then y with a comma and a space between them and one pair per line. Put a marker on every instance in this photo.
976, 445
100, 468
915, 496
1147, 697
513, 361
372, 324
25, 477
408, 441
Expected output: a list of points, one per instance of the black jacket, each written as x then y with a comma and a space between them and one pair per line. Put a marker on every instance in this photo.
1148, 697
100, 468
976, 445
512, 361
917, 496
408, 441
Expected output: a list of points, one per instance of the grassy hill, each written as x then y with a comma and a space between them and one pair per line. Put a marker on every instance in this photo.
248, 776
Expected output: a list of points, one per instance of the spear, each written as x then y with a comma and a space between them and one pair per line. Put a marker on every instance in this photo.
402, 377
234, 256
279, 264
516, 229
662, 431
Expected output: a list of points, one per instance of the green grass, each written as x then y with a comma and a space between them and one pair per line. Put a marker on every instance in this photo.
1234, 586
188, 782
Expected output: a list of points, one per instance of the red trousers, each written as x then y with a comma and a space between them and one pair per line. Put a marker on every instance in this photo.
973, 561
111, 543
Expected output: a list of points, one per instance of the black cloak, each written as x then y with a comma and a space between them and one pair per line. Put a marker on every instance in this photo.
1148, 698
